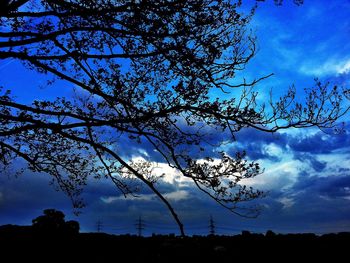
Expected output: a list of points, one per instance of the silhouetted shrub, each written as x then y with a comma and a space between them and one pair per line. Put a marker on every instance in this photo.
246, 233
72, 227
52, 222
270, 233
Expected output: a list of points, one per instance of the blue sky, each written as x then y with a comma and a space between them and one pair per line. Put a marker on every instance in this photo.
307, 172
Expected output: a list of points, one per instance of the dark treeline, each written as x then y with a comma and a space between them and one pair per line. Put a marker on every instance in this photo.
52, 238
31, 243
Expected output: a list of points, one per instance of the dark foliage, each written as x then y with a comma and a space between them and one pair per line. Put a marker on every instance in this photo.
99, 247
53, 223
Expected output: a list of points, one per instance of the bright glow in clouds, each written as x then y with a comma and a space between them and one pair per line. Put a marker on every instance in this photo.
277, 176
164, 171
171, 175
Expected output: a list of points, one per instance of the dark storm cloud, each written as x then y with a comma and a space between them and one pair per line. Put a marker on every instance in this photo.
25, 197
312, 204
330, 186
129, 148
252, 135
210, 141
320, 142
308, 213
324, 199
338, 187
303, 145
119, 214
315, 201
254, 143
314, 163
254, 151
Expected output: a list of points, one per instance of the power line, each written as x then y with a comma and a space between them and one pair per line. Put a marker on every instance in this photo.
211, 226
99, 226
140, 225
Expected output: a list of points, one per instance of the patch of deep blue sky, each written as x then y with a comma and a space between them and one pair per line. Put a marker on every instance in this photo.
307, 172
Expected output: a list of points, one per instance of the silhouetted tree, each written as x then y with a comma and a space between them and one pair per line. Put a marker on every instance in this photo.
71, 227
270, 234
147, 69
52, 222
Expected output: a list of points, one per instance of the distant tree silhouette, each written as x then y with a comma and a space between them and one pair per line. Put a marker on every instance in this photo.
246, 233
53, 222
270, 233
71, 227
143, 71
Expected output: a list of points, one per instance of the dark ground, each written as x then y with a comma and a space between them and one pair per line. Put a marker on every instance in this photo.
22, 244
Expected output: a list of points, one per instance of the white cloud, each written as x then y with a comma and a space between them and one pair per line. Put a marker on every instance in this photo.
171, 175
166, 173
277, 176
287, 202
345, 68
273, 149
177, 195
328, 67
171, 196
302, 133
336, 163
347, 197
140, 197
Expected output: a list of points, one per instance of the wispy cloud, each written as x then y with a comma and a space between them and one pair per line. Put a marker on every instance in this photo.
327, 68
177, 195
140, 197
171, 196
287, 202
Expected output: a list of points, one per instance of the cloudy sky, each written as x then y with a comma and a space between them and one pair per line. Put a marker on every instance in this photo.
307, 172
